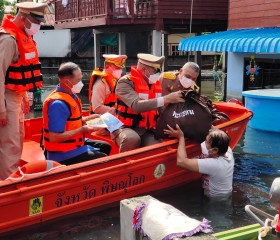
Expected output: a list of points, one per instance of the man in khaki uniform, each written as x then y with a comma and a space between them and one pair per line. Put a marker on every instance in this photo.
19, 72
184, 79
102, 84
138, 99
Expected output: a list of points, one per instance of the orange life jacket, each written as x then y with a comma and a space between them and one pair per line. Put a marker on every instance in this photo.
26, 72
111, 80
130, 118
72, 123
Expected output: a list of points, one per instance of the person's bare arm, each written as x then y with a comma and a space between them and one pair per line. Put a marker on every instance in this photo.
59, 137
182, 158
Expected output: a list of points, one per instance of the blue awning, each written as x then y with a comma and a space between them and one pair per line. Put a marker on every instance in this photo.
254, 40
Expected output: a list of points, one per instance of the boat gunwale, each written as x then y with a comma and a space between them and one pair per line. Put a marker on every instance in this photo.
80, 167
134, 161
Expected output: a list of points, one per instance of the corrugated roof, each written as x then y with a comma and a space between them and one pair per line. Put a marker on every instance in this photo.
255, 40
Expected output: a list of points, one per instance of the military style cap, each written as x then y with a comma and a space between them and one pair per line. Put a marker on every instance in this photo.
117, 60
36, 10
151, 60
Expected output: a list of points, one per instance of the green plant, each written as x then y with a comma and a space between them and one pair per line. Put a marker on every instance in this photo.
2, 9
14, 8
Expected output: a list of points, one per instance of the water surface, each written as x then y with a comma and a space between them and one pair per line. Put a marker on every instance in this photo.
257, 158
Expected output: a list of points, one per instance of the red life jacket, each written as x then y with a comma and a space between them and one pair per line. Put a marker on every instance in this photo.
111, 99
26, 72
132, 119
72, 123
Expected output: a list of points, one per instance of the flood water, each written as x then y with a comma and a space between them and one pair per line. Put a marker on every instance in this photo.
257, 163
257, 158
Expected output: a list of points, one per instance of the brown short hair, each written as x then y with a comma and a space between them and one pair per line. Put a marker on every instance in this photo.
219, 139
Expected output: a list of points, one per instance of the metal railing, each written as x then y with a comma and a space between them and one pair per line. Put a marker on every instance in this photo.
87, 9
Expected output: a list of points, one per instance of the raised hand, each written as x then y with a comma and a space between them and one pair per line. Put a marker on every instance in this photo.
175, 133
174, 97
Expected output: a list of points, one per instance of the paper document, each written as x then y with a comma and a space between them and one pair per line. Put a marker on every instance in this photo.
106, 120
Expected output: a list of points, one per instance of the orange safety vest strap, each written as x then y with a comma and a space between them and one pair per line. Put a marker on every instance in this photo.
22, 69
110, 104
76, 116
136, 118
25, 68
66, 141
144, 119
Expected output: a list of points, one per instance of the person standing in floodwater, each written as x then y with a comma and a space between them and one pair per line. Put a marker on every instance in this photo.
217, 164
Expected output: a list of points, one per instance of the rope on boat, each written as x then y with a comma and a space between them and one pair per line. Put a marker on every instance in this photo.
269, 224
23, 175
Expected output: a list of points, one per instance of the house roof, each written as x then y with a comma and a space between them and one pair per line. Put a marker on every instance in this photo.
254, 40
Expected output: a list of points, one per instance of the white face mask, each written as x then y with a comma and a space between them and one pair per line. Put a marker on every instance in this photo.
77, 87
34, 28
153, 78
204, 149
117, 73
186, 82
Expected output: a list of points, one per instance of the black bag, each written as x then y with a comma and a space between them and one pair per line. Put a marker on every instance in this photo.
195, 116
217, 116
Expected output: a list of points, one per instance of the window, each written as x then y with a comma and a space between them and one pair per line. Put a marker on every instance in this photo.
173, 50
104, 49
268, 75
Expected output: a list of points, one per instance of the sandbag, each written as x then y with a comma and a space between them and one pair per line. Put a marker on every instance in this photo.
195, 116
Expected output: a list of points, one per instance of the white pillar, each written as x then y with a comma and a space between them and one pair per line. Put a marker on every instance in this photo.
122, 44
156, 43
235, 76
164, 50
162, 43
127, 207
97, 60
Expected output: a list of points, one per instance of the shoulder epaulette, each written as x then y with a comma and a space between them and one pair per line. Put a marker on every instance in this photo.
97, 72
170, 75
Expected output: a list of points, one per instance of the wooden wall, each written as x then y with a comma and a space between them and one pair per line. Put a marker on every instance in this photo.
253, 13
208, 15
202, 9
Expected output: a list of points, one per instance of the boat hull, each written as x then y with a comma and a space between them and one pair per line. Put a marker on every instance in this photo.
101, 182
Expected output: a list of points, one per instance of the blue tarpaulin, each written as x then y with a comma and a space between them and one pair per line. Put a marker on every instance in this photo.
253, 40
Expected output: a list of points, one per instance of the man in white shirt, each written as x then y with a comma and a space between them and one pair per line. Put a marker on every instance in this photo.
217, 164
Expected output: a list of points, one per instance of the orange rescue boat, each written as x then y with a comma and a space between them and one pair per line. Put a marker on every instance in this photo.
27, 199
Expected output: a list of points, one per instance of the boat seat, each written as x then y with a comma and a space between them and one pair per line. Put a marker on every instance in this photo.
32, 151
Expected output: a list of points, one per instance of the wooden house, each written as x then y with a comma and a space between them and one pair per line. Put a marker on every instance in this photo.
141, 25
